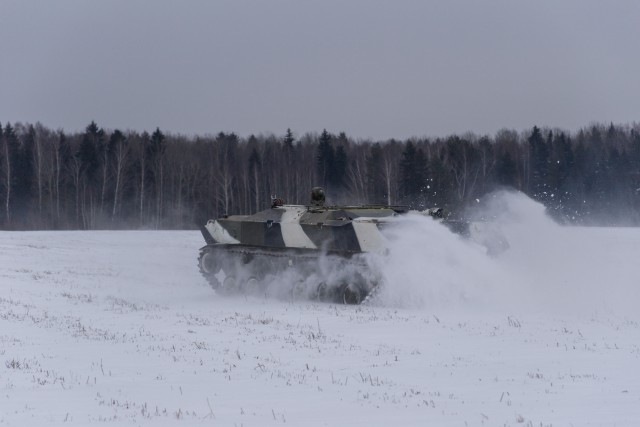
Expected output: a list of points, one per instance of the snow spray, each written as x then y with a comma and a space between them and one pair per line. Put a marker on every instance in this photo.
547, 267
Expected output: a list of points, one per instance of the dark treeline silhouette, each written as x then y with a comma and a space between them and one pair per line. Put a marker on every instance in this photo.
100, 179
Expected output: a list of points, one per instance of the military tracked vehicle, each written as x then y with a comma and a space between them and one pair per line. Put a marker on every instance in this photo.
320, 249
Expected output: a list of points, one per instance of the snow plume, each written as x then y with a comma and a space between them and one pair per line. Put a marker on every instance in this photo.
566, 268
547, 267
429, 266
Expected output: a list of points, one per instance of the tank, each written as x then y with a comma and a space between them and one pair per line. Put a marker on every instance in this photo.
319, 251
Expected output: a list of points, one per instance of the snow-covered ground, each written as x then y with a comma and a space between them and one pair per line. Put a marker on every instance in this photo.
120, 328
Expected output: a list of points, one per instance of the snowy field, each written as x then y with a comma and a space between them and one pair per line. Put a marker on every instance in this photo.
119, 328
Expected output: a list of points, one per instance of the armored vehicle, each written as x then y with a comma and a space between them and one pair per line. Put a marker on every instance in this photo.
319, 250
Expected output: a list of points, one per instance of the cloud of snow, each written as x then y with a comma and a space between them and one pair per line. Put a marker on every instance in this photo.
430, 266
547, 267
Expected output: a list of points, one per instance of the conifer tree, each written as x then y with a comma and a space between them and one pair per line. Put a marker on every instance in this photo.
375, 177
325, 158
539, 160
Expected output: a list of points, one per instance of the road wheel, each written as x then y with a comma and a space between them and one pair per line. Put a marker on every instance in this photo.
322, 292
229, 284
351, 294
209, 263
251, 286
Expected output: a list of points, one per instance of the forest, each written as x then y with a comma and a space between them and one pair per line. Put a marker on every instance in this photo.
115, 179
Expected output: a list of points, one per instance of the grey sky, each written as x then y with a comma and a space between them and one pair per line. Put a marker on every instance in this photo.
375, 69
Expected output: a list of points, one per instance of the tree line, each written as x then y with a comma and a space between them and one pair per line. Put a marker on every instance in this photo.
107, 179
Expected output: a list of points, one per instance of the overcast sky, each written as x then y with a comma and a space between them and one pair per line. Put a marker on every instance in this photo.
376, 69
